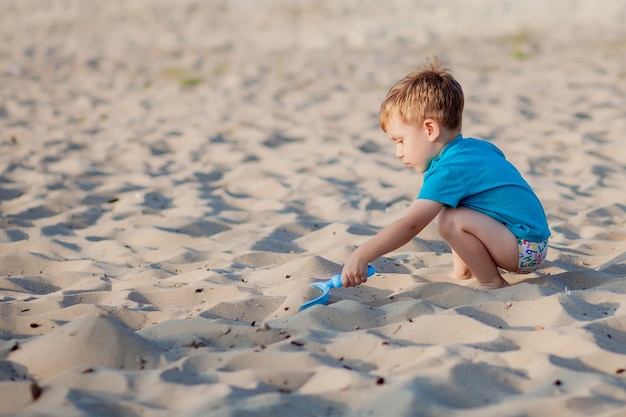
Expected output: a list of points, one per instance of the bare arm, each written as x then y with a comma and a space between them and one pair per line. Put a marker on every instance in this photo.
398, 233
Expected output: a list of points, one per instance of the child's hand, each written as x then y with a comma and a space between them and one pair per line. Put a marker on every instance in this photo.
354, 272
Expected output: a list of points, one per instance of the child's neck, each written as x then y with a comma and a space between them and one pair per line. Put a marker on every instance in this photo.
448, 135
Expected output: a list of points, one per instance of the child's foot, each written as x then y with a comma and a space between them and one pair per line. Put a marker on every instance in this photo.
493, 285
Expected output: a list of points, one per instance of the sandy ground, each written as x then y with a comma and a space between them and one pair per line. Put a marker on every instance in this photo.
173, 175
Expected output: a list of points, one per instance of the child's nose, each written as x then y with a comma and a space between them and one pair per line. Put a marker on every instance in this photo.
399, 151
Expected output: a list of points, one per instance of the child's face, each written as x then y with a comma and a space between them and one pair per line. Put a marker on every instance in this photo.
413, 144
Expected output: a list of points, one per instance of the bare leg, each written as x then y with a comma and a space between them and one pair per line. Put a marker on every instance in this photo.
481, 243
459, 269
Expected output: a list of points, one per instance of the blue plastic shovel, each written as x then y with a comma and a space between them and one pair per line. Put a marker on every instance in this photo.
326, 286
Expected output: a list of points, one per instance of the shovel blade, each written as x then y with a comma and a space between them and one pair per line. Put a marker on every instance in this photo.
322, 299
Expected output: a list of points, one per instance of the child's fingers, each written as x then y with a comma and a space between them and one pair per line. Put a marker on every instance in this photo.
346, 281
352, 280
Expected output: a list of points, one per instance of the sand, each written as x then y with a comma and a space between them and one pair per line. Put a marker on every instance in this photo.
175, 174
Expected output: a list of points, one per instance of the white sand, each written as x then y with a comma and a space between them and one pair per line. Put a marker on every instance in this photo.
174, 175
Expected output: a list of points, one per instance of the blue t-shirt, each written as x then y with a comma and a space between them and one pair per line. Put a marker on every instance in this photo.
475, 174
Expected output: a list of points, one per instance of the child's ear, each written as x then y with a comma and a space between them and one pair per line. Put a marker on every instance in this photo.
433, 130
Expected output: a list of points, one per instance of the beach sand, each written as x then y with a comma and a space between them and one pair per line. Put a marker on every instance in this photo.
175, 174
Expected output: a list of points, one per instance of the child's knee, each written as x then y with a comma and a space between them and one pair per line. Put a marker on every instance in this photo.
445, 222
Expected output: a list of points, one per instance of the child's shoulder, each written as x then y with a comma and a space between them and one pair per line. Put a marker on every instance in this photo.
471, 144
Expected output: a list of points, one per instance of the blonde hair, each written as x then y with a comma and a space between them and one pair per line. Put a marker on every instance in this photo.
430, 93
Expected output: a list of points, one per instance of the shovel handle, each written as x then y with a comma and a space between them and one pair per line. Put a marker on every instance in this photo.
336, 279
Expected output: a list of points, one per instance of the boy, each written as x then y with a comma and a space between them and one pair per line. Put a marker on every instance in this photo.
485, 210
